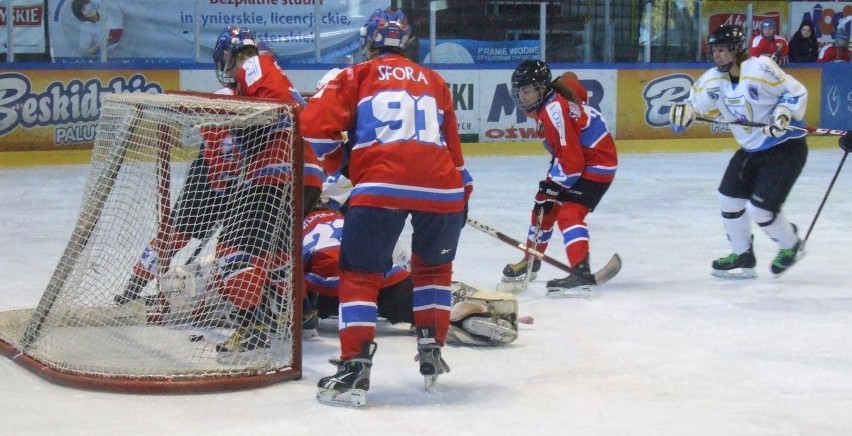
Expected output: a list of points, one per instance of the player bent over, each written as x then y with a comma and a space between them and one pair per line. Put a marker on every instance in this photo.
199, 208
762, 172
248, 252
477, 317
583, 165
405, 160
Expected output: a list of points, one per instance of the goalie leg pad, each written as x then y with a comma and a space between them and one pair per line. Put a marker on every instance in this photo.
483, 317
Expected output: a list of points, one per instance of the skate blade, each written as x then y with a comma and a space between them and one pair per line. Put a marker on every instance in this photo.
495, 333
352, 398
507, 279
745, 273
584, 291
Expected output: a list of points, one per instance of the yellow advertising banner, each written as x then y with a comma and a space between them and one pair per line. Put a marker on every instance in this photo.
648, 117
59, 109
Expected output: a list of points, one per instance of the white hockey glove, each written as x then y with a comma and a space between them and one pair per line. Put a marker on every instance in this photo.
482, 317
681, 116
778, 122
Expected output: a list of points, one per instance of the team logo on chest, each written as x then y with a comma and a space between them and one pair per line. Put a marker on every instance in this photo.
752, 92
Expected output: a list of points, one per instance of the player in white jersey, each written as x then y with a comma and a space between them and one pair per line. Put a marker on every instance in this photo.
762, 172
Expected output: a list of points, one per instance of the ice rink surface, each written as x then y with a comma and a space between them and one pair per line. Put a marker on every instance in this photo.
662, 349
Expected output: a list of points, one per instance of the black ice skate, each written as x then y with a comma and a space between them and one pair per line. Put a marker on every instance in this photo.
349, 386
515, 272
736, 266
578, 284
787, 257
132, 291
250, 340
429, 355
245, 343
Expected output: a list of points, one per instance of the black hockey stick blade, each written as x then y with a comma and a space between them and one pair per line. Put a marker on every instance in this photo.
605, 274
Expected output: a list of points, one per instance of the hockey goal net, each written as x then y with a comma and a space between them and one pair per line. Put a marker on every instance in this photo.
136, 302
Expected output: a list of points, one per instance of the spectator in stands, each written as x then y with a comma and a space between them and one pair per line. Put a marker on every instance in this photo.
768, 43
838, 50
804, 46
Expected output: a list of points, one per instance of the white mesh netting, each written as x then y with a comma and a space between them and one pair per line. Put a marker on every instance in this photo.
183, 265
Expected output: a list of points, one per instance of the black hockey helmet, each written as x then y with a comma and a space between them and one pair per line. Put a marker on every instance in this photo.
531, 74
731, 36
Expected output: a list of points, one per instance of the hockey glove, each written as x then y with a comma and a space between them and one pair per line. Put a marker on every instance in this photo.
778, 122
545, 198
846, 142
681, 116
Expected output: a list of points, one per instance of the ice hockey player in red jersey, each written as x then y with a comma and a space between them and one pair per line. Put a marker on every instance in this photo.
198, 209
583, 165
838, 50
405, 160
248, 253
768, 43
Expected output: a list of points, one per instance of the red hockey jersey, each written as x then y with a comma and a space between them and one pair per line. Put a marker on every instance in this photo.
260, 76
578, 137
322, 231
403, 147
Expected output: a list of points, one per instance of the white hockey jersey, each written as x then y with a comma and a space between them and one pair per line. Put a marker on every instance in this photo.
763, 85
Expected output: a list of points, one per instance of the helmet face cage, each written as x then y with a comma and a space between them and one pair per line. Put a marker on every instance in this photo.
230, 41
767, 23
531, 85
385, 29
731, 37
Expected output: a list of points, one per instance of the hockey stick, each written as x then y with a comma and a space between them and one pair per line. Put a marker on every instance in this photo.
824, 199
811, 130
602, 276
536, 238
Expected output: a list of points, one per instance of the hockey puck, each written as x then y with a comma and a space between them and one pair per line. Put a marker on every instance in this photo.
196, 338
526, 320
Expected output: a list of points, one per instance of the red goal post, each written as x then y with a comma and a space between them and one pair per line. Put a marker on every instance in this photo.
165, 340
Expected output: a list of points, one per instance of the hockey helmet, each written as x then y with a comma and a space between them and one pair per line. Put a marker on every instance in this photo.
731, 36
531, 75
386, 29
230, 41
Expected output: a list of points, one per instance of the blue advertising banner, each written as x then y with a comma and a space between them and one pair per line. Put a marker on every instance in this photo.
469, 51
836, 108
168, 29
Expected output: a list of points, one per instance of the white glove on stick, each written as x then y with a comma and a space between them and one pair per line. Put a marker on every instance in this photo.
778, 122
681, 116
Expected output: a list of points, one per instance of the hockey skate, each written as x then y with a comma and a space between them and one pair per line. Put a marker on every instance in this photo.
132, 291
349, 386
245, 343
516, 272
310, 316
429, 355
578, 284
786, 258
736, 266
